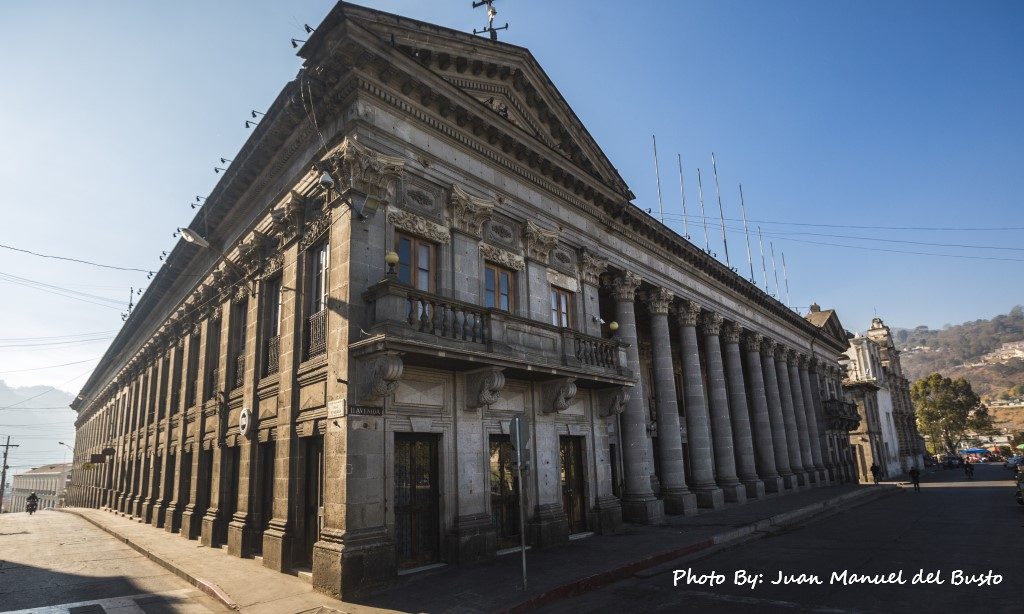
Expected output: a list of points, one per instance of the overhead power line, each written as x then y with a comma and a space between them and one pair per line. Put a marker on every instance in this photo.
77, 362
78, 260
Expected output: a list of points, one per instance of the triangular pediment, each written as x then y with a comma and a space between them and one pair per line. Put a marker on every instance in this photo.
830, 326
504, 78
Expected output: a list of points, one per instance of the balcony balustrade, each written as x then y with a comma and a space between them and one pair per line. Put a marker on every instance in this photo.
316, 334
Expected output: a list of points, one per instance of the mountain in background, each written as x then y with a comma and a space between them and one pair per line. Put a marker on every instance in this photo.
36, 418
972, 350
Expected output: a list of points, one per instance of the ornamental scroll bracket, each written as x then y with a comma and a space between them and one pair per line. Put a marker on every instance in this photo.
558, 395
364, 177
483, 387
384, 374
469, 213
539, 241
612, 401
288, 218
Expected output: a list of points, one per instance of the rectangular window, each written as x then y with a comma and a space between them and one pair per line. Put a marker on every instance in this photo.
416, 262
561, 307
239, 324
498, 287
318, 262
272, 316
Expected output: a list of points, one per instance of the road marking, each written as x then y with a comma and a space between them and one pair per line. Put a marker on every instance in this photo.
115, 605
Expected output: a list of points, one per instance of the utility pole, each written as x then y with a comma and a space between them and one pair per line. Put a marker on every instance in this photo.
3, 469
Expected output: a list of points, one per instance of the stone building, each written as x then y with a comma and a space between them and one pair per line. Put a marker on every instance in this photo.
48, 482
888, 433
419, 242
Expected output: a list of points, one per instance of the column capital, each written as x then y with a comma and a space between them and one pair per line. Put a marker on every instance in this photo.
812, 364
732, 332
624, 286
688, 313
591, 267
768, 346
658, 301
711, 322
801, 361
783, 353
752, 341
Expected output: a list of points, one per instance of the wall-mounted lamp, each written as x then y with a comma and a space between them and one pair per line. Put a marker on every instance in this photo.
613, 326
255, 113
295, 43
224, 160
249, 123
198, 240
218, 169
597, 319
392, 259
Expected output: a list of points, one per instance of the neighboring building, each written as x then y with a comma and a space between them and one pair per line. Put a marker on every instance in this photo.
888, 433
49, 482
423, 242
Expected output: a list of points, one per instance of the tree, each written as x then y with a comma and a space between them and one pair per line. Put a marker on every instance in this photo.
947, 409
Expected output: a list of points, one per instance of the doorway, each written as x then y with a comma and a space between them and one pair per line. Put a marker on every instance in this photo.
417, 514
573, 482
313, 495
265, 457
504, 491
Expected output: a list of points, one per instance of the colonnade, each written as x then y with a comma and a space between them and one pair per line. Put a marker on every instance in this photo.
752, 410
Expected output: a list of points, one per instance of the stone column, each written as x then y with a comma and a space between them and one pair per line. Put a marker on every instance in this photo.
808, 385
145, 461
199, 488
780, 437
677, 497
743, 413
475, 536
164, 411
179, 489
698, 423
242, 531
796, 463
638, 501
214, 520
800, 413
721, 420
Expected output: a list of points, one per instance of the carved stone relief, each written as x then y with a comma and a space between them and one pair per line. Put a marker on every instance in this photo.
418, 225
539, 241
470, 213
502, 257
483, 387
558, 395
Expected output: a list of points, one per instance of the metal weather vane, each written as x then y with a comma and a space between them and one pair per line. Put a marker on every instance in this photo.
491, 14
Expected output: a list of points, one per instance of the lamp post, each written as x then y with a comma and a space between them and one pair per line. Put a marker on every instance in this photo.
62, 484
391, 259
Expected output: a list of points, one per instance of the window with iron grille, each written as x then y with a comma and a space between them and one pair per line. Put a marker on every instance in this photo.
272, 326
239, 320
316, 321
212, 360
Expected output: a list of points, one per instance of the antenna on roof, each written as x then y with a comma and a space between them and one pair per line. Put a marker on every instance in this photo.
700, 195
746, 233
682, 197
721, 213
785, 276
657, 175
764, 269
774, 268
491, 14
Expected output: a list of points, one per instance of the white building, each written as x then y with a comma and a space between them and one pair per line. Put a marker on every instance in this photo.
48, 482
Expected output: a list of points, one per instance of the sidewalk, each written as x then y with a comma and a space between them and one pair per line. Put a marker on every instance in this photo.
582, 565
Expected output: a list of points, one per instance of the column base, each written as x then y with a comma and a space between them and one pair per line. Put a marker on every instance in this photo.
158, 516
353, 563
710, 497
211, 525
172, 518
774, 485
474, 539
146, 516
734, 493
191, 523
822, 475
643, 511
790, 482
241, 537
277, 547
607, 516
548, 527
679, 502
802, 479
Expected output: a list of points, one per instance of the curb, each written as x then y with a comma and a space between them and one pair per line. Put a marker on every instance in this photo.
204, 585
717, 541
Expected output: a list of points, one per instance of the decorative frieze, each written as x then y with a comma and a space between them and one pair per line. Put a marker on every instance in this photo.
470, 213
539, 241
418, 225
502, 257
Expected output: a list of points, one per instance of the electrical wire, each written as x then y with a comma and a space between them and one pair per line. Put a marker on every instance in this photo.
76, 335
77, 362
89, 262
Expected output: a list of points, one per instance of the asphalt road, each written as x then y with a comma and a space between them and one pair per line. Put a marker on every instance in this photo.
952, 526
53, 563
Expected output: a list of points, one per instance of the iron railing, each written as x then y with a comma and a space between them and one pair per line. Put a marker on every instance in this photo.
272, 355
239, 378
316, 334
212, 382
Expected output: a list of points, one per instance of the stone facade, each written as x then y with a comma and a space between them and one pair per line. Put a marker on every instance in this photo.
888, 435
306, 401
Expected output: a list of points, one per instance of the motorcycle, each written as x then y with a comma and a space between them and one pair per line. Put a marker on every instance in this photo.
30, 507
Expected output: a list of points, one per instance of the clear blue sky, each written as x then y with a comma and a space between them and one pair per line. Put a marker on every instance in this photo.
902, 114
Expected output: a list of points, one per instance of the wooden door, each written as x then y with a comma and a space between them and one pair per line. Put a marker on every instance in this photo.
573, 483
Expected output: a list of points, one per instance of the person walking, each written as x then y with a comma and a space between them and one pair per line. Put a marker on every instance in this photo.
915, 478
875, 471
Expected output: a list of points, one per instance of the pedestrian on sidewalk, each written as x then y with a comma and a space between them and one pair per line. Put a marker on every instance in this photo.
875, 471
915, 478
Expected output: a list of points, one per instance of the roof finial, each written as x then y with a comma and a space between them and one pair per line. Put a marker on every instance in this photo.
491, 14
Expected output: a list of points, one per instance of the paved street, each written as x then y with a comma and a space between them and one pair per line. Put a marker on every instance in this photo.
952, 524
52, 563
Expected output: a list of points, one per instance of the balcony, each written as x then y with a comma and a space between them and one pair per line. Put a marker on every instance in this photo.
426, 326
239, 378
272, 356
841, 416
316, 334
